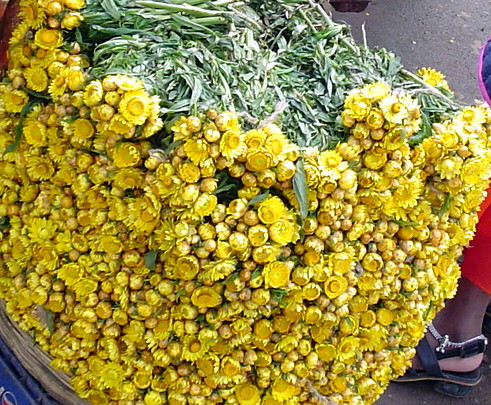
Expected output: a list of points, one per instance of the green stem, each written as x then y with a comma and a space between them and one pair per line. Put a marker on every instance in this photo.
427, 86
184, 8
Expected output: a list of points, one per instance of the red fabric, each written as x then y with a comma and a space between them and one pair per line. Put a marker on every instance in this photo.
477, 257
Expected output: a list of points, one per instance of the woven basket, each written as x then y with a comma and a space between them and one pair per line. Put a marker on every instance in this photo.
36, 362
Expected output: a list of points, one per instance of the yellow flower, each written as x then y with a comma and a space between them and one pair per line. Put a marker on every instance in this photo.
15, 100
276, 274
71, 273
135, 106
84, 287
271, 210
47, 38
126, 155
255, 138
112, 375
258, 160
39, 168
326, 352
376, 91
189, 172
433, 77
119, 124
59, 83
205, 204
186, 267
284, 231
372, 262
449, 167
358, 105
71, 20
93, 93
74, 4
196, 150
384, 316
393, 109
206, 297
35, 133
128, 178
76, 78
232, 144
143, 214
282, 390
335, 285
275, 143
83, 128
36, 78
227, 121
193, 349
347, 348
473, 170
265, 254
247, 394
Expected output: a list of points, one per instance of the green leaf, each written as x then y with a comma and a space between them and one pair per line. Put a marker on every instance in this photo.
301, 189
259, 198
151, 259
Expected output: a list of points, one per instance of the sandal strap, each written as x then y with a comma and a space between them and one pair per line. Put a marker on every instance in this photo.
469, 348
428, 359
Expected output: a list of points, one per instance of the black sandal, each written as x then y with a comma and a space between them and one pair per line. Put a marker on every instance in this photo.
455, 384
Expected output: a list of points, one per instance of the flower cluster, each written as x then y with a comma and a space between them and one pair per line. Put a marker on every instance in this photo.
233, 266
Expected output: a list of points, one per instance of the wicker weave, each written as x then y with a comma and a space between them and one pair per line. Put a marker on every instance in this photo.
36, 361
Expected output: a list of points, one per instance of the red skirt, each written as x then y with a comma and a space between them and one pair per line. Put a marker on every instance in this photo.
477, 257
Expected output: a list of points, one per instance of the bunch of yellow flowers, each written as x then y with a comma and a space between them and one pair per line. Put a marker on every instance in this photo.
233, 267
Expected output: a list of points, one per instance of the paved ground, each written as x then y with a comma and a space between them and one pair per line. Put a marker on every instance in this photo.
445, 35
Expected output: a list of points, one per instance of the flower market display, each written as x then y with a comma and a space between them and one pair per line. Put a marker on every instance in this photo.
227, 202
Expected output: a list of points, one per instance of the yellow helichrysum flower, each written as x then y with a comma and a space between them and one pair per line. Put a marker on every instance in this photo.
70, 273
196, 150
36, 78
275, 142
449, 167
375, 91
193, 349
232, 144
84, 287
119, 124
189, 172
135, 106
83, 128
260, 159
284, 231
205, 204
186, 268
335, 286
372, 262
247, 394
93, 93
59, 83
112, 375
282, 390
153, 398
74, 4
126, 155
47, 38
71, 20
326, 352
255, 138
347, 348
76, 78
271, 210
35, 133
473, 170
14, 100
357, 105
276, 274
394, 110
39, 168
206, 297
433, 77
